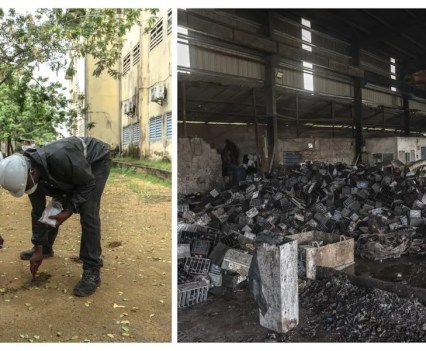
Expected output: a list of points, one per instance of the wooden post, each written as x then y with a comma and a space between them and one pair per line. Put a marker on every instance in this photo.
278, 275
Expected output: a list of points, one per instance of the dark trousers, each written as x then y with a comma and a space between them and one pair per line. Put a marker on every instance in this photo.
90, 244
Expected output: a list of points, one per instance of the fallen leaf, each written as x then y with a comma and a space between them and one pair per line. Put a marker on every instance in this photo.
118, 306
111, 336
162, 301
58, 333
151, 315
27, 304
125, 322
125, 329
36, 337
125, 334
75, 337
2, 290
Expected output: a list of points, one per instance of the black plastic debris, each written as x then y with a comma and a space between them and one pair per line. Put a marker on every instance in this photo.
381, 207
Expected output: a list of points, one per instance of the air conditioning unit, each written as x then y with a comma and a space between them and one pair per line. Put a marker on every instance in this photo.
126, 107
158, 93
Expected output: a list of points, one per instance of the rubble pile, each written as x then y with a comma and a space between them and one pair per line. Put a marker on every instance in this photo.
383, 208
358, 314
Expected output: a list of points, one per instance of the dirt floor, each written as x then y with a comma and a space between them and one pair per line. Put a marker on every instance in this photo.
133, 303
330, 310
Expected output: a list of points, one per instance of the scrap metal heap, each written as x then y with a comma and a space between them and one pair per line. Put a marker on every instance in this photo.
382, 207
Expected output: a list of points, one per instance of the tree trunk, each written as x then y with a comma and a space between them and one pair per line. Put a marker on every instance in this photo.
9, 150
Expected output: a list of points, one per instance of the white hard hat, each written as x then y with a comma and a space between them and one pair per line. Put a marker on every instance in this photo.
14, 174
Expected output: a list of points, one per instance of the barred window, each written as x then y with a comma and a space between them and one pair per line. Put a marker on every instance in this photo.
126, 64
169, 125
155, 128
156, 35
126, 135
136, 54
169, 21
136, 133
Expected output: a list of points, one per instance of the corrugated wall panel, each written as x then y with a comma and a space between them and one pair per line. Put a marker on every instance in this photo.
291, 78
327, 86
381, 98
417, 105
216, 62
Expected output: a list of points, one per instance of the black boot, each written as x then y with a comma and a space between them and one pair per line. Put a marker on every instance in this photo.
89, 282
26, 255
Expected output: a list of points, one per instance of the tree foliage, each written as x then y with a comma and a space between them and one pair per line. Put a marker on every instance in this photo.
51, 36
29, 107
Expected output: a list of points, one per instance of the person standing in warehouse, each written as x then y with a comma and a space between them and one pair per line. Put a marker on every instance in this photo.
73, 171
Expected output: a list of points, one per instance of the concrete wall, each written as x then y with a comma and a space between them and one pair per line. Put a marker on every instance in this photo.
199, 166
409, 144
159, 67
154, 67
102, 105
242, 135
380, 146
398, 146
326, 150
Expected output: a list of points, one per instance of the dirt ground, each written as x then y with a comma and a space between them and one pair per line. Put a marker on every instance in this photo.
133, 303
233, 316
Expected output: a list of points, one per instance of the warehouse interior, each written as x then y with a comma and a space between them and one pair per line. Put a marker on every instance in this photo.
338, 86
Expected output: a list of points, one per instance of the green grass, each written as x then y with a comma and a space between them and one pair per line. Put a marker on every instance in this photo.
117, 172
166, 165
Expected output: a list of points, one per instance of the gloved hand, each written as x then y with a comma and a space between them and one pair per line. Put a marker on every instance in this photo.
36, 259
61, 217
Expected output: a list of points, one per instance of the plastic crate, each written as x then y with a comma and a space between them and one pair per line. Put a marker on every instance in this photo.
200, 247
195, 265
190, 294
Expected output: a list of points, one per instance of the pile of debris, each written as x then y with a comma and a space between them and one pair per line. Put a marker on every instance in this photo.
355, 314
381, 207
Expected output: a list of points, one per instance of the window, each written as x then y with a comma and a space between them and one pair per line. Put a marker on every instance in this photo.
156, 35
169, 21
136, 54
308, 77
183, 48
126, 135
412, 155
136, 133
423, 153
393, 71
306, 34
407, 157
126, 63
169, 125
131, 134
155, 128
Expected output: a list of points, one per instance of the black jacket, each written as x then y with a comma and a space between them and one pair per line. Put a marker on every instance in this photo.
64, 167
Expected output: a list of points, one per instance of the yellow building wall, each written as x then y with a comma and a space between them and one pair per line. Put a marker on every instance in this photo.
154, 67
102, 102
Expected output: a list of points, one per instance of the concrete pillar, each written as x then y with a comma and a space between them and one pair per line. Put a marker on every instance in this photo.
278, 274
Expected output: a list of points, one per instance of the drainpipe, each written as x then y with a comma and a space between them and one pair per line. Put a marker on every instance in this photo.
120, 123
